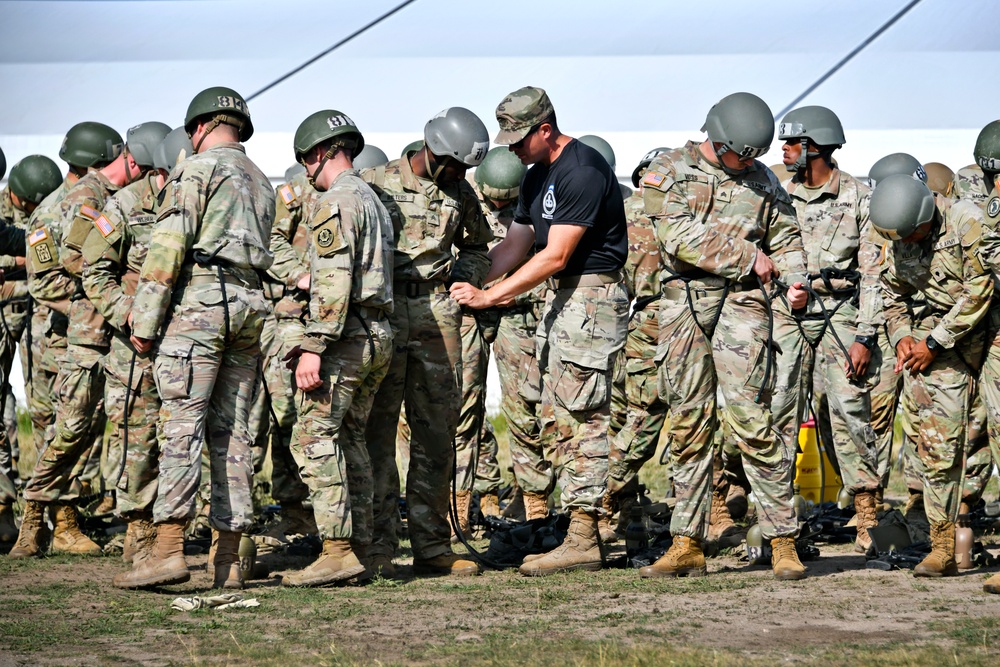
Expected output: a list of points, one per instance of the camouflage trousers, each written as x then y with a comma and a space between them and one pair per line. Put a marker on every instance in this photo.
139, 414
425, 374
259, 422
475, 444
733, 359
884, 400
12, 327
812, 363
73, 456
935, 407
286, 483
206, 381
48, 352
637, 413
328, 441
521, 396
989, 383
582, 330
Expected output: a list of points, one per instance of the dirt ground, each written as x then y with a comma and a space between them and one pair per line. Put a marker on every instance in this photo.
64, 611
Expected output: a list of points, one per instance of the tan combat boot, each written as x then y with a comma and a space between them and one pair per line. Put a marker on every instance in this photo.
106, 506
166, 564
8, 529
721, 527
381, 566
34, 532
296, 519
463, 500
445, 564
581, 549
684, 558
536, 505
489, 504
866, 511
67, 538
604, 528
140, 538
337, 563
992, 585
785, 560
227, 573
940, 562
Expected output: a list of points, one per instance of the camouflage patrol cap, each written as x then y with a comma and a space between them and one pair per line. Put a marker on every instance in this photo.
519, 112
644, 163
987, 151
142, 140
499, 176
370, 156
900, 204
35, 177
896, 163
940, 178
88, 144
175, 147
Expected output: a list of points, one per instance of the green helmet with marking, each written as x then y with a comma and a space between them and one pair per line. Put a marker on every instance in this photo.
459, 134
141, 141
412, 147
327, 125
601, 146
742, 123
896, 163
223, 104
987, 151
370, 156
499, 176
644, 163
34, 178
89, 144
899, 205
818, 124
175, 147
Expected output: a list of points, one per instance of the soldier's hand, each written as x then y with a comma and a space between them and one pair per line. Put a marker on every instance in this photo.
292, 358
19, 262
764, 267
468, 295
797, 297
141, 345
921, 357
861, 357
903, 349
307, 372
304, 282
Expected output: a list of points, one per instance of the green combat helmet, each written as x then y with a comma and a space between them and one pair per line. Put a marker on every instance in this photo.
899, 205
412, 147
141, 141
457, 133
601, 146
175, 147
987, 151
742, 123
294, 171
89, 144
35, 177
223, 105
940, 178
326, 125
370, 156
816, 124
644, 163
896, 163
499, 176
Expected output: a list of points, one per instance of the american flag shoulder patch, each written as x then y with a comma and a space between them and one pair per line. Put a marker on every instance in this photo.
89, 212
104, 226
37, 236
286, 194
654, 179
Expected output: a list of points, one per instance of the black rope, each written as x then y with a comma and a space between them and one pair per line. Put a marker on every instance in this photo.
846, 59
326, 52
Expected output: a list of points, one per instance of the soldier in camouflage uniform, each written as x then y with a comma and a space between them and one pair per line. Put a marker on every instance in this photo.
570, 209
441, 236
725, 228
346, 347
54, 275
937, 292
829, 353
199, 299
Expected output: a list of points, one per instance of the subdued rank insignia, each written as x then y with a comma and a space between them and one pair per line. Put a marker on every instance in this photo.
993, 208
654, 179
286, 194
88, 212
104, 226
37, 236
325, 238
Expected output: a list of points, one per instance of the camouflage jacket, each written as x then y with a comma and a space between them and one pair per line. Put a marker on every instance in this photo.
430, 224
290, 244
351, 258
971, 183
13, 216
837, 235
706, 219
941, 281
12, 233
642, 267
116, 248
42, 257
215, 202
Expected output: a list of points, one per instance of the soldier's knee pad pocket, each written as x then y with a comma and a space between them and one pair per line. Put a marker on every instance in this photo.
174, 369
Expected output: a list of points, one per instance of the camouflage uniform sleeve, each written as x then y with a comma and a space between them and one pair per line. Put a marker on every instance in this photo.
70, 252
870, 316
175, 232
472, 240
287, 266
895, 298
784, 242
48, 282
102, 259
977, 288
684, 234
331, 255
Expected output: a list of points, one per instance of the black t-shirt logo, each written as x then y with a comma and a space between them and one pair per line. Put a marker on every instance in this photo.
549, 202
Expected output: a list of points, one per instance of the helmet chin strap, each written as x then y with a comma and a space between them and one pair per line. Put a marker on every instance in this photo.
719, 152
427, 165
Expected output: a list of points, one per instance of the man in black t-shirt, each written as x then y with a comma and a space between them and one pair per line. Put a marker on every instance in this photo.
570, 208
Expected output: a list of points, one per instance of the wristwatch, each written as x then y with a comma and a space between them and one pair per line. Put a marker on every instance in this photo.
867, 341
932, 344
